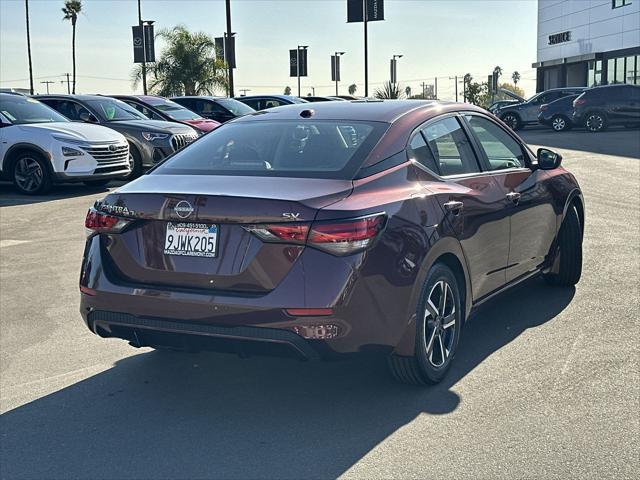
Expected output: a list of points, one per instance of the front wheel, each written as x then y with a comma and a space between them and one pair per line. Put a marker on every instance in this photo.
135, 162
31, 175
512, 120
438, 325
568, 262
595, 122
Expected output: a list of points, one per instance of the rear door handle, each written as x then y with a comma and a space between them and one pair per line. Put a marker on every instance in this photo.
454, 206
514, 197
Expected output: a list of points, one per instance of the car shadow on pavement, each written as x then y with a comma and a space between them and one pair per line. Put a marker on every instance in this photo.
172, 415
10, 196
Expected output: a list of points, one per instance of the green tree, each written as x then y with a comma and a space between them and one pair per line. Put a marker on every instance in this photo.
389, 90
287, 90
71, 10
513, 88
476, 93
187, 65
352, 89
515, 76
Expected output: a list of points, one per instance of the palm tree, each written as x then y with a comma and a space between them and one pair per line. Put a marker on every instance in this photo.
498, 71
287, 90
515, 76
352, 88
187, 66
71, 10
389, 90
26, 11
407, 91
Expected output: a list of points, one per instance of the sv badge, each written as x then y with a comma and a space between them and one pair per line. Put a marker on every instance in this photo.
291, 216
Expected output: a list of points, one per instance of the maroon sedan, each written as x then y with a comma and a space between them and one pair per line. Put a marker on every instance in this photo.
322, 231
159, 108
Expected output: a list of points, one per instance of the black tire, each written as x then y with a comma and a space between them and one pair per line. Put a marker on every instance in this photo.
595, 122
434, 338
97, 183
560, 123
31, 174
136, 164
512, 120
569, 254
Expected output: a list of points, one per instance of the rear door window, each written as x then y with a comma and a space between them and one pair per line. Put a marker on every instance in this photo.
450, 147
285, 148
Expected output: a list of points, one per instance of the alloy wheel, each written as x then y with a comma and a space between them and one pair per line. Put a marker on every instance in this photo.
28, 174
595, 122
511, 121
440, 324
559, 124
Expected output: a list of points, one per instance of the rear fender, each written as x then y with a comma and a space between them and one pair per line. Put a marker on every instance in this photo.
445, 246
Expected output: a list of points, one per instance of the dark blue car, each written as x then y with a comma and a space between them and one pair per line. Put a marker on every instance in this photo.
558, 114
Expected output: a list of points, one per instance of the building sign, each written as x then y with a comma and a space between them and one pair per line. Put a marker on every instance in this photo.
559, 38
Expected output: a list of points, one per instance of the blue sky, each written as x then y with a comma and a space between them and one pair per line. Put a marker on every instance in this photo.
437, 38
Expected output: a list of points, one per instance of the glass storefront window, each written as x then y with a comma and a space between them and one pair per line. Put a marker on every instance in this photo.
631, 70
611, 71
620, 76
597, 80
623, 70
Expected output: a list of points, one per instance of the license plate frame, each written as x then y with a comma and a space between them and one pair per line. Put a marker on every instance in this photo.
191, 239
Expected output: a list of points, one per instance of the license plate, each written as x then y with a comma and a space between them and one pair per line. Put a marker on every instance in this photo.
191, 239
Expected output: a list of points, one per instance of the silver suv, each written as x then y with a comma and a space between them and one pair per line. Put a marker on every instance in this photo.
519, 115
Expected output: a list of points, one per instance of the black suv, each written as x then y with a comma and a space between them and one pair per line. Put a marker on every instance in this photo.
220, 109
600, 107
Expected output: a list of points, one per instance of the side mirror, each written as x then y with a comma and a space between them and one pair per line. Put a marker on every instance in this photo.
87, 117
548, 159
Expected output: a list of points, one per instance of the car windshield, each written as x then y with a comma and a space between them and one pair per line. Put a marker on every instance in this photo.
111, 110
235, 107
21, 110
174, 110
279, 148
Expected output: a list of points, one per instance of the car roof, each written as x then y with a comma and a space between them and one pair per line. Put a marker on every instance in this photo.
80, 98
366, 110
206, 97
252, 97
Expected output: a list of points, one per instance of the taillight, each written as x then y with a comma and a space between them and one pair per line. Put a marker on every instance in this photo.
99, 222
346, 237
281, 232
578, 101
543, 107
342, 237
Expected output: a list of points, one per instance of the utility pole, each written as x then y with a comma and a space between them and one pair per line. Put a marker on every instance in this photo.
144, 51
313, 90
68, 83
229, 35
26, 7
366, 49
243, 91
435, 88
47, 83
424, 90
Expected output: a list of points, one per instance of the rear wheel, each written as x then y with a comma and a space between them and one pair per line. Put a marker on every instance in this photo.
560, 123
438, 324
31, 175
512, 120
568, 262
595, 122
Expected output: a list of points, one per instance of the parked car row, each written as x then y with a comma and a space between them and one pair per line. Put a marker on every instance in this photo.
563, 108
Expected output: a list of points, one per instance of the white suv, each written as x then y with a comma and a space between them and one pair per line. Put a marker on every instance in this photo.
39, 147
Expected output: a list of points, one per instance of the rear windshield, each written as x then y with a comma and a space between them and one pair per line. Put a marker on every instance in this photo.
174, 110
279, 148
235, 107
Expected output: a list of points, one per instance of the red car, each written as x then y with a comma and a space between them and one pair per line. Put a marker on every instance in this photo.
159, 108
329, 229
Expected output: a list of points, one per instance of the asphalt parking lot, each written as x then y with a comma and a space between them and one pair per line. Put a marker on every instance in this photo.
546, 383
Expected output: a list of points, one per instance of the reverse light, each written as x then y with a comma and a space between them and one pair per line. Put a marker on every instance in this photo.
99, 222
151, 136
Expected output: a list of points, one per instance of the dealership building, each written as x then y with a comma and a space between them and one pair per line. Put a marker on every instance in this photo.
587, 43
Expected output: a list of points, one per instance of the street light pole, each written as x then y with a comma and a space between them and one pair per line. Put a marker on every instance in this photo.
394, 72
366, 49
300, 47
337, 55
229, 35
144, 51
